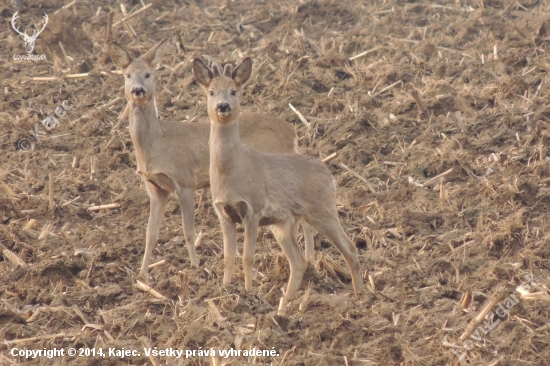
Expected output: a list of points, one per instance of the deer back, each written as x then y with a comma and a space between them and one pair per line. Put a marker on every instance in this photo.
267, 133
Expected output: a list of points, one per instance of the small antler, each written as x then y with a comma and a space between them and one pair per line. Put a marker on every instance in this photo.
228, 70
215, 69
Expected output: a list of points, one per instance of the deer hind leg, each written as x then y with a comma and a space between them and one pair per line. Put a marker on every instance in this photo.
158, 198
329, 226
187, 204
309, 232
285, 235
202, 199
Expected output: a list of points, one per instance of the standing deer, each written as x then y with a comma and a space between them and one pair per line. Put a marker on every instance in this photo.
257, 189
173, 157
29, 41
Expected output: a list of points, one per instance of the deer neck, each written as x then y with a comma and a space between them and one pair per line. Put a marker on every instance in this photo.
225, 146
145, 129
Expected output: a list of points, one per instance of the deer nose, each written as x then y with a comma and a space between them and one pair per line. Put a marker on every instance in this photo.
223, 107
138, 91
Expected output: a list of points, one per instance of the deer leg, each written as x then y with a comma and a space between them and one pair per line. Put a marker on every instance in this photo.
158, 198
229, 232
284, 235
309, 232
331, 228
202, 198
229, 249
187, 203
251, 224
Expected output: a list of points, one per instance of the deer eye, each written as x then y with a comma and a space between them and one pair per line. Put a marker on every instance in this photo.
233, 92
147, 75
211, 93
128, 76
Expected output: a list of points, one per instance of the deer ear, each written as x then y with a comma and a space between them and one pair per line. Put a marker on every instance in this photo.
202, 73
154, 55
119, 55
242, 72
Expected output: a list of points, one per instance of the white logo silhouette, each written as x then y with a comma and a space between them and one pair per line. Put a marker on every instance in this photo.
29, 41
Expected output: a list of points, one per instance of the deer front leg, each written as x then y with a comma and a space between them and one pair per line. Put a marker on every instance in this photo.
187, 204
229, 232
158, 198
251, 223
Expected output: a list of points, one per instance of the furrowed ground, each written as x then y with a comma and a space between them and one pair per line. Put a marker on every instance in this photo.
438, 113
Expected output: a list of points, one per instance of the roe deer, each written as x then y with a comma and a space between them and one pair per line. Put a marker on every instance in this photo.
257, 189
173, 157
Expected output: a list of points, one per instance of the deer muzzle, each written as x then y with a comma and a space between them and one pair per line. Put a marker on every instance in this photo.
223, 109
138, 92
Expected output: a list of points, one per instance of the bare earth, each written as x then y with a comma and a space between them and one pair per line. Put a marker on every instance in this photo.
446, 196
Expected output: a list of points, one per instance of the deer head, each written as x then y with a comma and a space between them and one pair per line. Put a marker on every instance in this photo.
29, 41
222, 89
138, 72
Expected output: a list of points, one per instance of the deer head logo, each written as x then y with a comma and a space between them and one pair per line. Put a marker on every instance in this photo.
29, 41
